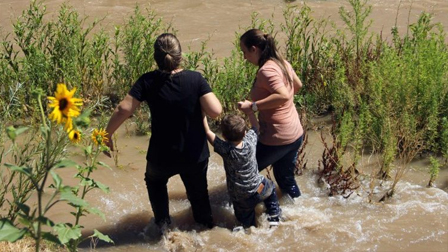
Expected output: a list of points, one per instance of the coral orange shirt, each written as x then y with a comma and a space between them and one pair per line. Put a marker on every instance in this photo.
281, 125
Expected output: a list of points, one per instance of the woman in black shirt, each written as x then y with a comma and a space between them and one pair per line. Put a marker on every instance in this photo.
178, 144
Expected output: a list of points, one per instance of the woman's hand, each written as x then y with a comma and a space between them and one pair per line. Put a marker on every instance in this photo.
121, 113
110, 144
245, 106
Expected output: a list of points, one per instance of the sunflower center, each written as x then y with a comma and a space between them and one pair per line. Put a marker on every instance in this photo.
63, 104
76, 136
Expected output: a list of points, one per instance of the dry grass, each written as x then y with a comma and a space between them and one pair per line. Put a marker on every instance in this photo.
27, 245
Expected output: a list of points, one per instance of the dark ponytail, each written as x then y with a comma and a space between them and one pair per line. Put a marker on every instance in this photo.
167, 52
266, 43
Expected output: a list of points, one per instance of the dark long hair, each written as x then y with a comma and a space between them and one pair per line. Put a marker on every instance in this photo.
167, 52
266, 43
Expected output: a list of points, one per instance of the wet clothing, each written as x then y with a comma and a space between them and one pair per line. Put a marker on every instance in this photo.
241, 167
178, 144
245, 185
280, 128
194, 178
283, 159
245, 209
280, 125
177, 131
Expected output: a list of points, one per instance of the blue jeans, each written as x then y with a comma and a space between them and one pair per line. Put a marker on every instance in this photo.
283, 159
245, 208
194, 178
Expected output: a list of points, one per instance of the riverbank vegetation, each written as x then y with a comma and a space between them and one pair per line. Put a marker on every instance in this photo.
387, 98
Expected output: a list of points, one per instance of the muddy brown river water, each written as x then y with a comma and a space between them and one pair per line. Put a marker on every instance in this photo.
415, 219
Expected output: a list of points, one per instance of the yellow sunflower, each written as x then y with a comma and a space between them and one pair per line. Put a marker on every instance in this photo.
75, 136
68, 126
99, 136
65, 106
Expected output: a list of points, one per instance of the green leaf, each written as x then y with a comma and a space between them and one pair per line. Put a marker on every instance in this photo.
104, 148
24, 220
87, 182
101, 236
88, 150
25, 208
65, 163
66, 233
97, 212
13, 132
24, 170
21, 130
44, 220
45, 131
104, 164
57, 179
68, 195
50, 237
102, 186
8, 232
83, 120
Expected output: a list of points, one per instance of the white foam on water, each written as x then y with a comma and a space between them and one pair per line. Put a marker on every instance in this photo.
314, 219
414, 216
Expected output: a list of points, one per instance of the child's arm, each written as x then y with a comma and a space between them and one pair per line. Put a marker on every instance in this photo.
250, 113
210, 135
253, 120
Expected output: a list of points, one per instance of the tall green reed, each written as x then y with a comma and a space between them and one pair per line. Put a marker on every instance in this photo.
132, 55
307, 47
387, 98
433, 171
444, 138
132, 50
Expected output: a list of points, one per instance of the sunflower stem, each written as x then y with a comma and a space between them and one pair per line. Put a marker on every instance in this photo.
41, 110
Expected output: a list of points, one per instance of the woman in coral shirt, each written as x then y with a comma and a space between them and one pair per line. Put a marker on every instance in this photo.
272, 94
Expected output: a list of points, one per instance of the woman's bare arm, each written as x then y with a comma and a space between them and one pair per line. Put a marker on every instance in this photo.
122, 112
211, 105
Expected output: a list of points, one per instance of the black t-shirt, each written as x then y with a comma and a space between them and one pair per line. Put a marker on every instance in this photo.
177, 130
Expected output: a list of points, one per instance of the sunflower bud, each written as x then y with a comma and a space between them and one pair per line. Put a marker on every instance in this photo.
11, 132
37, 92
83, 121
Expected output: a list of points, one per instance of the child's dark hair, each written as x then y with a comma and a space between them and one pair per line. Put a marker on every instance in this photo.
233, 127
